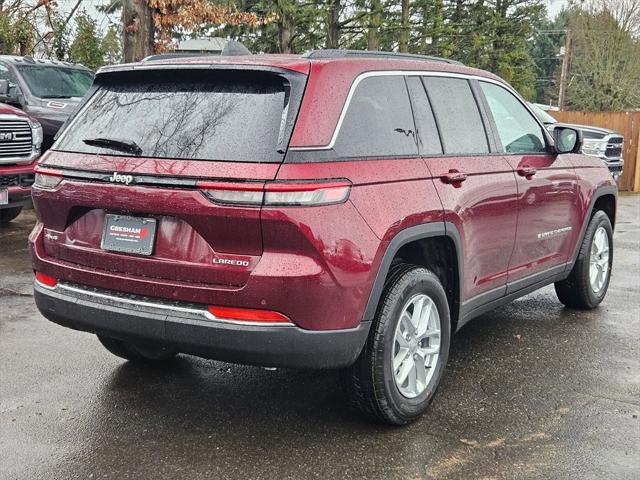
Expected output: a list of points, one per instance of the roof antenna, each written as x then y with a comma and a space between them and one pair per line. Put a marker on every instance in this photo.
233, 48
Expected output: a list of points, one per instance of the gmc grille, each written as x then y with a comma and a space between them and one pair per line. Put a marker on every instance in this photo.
23, 180
15, 139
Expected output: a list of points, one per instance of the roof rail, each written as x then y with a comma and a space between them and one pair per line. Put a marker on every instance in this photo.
337, 53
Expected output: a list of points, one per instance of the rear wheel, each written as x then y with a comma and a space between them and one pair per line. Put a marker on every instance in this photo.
8, 214
397, 374
588, 281
137, 352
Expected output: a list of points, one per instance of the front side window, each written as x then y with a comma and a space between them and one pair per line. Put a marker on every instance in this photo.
56, 82
378, 122
458, 117
5, 74
517, 128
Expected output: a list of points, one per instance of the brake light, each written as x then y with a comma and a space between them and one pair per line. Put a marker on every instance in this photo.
277, 193
47, 180
46, 280
234, 193
247, 315
299, 194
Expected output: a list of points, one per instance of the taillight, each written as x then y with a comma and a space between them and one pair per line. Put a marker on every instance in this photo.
47, 180
301, 194
247, 315
46, 280
277, 193
233, 193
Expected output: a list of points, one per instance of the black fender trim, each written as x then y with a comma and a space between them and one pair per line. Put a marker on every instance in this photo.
408, 235
599, 193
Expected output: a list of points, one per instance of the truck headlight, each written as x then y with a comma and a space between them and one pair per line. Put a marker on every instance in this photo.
36, 134
594, 147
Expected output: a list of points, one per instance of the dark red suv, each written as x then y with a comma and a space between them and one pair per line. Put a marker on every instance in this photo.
333, 210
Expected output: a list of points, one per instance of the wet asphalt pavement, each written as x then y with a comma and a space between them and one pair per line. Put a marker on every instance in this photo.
532, 390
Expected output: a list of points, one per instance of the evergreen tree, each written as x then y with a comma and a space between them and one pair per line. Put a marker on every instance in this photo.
111, 46
85, 47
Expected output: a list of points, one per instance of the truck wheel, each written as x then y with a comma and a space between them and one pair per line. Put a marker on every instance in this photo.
588, 282
8, 214
137, 352
397, 374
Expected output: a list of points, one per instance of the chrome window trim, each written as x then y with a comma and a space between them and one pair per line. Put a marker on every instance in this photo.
407, 73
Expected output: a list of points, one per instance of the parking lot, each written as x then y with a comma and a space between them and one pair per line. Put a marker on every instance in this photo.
532, 390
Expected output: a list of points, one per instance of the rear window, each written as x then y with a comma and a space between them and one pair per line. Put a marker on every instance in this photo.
214, 115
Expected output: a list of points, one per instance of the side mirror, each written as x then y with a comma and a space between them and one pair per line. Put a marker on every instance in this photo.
567, 140
8, 92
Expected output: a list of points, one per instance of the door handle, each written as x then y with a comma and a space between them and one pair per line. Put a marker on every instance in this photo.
454, 177
527, 171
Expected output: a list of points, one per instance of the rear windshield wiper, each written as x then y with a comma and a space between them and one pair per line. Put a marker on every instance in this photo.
128, 146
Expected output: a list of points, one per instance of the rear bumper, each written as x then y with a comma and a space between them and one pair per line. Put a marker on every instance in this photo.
188, 328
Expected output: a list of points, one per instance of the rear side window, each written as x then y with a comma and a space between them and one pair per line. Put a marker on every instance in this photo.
428, 137
457, 114
228, 116
378, 122
519, 132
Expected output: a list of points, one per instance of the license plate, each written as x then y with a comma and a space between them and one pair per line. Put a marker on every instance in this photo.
129, 234
4, 196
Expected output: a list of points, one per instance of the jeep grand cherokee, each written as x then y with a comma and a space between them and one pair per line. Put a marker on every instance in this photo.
338, 209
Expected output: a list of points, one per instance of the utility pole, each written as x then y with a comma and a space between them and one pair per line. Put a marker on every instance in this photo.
138, 30
404, 32
564, 72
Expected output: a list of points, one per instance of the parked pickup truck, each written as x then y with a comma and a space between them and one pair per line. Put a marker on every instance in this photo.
598, 142
47, 90
20, 139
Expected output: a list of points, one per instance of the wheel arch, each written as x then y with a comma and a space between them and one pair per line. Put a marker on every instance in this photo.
605, 199
415, 245
607, 203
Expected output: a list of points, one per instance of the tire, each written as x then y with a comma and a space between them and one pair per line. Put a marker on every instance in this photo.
137, 352
577, 291
8, 214
371, 383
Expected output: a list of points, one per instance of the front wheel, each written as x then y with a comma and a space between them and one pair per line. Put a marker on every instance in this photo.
588, 281
398, 372
8, 214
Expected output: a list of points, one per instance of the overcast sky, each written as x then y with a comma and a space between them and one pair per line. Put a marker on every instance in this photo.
554, 6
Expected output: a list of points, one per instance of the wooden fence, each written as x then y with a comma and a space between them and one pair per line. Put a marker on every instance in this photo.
627, 123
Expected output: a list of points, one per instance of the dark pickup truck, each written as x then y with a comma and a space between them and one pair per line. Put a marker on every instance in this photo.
47, 90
